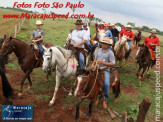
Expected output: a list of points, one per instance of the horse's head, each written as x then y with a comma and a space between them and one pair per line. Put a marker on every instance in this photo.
142, 49
81, 82
2, 40
7, 46
47, 59
101, 35
123, 40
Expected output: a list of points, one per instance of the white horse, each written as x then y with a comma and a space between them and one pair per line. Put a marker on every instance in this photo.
66, 65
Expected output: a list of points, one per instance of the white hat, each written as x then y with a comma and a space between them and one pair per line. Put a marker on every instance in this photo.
39, 22
107, 40
129, 26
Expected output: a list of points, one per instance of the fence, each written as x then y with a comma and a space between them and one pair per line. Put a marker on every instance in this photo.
17, 28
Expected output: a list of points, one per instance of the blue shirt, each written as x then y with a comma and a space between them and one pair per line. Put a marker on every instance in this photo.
108, 33
107, 56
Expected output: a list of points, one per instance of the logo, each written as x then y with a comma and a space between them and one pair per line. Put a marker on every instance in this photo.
17, 112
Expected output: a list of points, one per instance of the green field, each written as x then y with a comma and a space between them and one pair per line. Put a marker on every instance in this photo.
56, 32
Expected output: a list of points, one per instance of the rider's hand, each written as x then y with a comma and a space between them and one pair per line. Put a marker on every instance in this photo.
99, 62
34, 41
76, 45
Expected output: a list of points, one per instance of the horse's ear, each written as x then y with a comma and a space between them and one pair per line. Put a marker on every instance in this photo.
5, 36
44, 48
10, 39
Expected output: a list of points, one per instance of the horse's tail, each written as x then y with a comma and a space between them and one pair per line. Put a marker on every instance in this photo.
6, 88
116, 89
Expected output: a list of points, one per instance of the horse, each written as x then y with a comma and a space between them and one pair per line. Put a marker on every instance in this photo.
143, 58
89, 84
26, 58
137, 38
121, 49
3, 59
65, 62
5, 89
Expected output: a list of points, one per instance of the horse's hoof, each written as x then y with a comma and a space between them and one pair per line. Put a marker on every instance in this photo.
20, 95
70, 94
51, 104
29, 87
76, 118
115, 100
88, 114
46, 80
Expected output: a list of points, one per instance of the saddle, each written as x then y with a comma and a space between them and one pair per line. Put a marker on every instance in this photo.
153, 56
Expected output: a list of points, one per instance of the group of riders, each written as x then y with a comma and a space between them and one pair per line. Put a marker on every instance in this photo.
105, 55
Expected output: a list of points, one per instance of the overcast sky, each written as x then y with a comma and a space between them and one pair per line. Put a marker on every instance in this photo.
141, 12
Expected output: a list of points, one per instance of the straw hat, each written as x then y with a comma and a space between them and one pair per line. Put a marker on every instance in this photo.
129, 26
107, 40
79, 22
154, 31
39, 22
112, 25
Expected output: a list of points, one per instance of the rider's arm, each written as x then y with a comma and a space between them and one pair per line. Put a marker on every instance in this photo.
40, 39
80, 43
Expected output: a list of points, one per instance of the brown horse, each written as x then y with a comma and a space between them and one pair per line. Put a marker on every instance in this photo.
90, 84
3, 59
143, 58
5, 89
26, 58
137, 38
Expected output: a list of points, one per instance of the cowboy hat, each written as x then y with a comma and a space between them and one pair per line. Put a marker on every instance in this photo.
129, 26
154, 31
79, 22
106, 40
106, 25
39, 22
112, 25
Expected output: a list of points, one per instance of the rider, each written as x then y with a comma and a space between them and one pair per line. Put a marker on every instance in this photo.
105, 57
80, 38
38, 36
107, 31
114, 33
130, 36
151, 42
138, 35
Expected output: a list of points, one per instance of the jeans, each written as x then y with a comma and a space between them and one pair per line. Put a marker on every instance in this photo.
115, 40
106, 84
41, 51
130, 48
81, 61
92, 46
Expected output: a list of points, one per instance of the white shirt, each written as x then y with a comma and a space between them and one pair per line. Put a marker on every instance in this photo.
78, 36
118, 28
87, 34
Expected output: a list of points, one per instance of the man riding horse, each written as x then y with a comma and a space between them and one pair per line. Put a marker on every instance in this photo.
137, 37
130, 36
151, 42
38, 36
79, 38
105, 57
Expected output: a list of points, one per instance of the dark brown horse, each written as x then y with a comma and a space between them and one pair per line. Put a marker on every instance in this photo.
5, 89
3, 59
90, 84
26, 58
143, 58
137, 38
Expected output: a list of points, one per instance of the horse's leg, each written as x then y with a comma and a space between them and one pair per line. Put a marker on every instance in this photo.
77, 108
55, 90
142, 75
30, 82
47, 77
90, 108
137, 74
70, 92
125, 62
148, 72
22, 82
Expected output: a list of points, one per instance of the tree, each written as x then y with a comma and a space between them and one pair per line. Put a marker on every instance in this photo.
132, 24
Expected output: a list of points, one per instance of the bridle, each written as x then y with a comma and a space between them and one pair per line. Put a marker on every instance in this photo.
8, 51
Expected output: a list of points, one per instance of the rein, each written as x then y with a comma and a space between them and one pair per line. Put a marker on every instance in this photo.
93, 84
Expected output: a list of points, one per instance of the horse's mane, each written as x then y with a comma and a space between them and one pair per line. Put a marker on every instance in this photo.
66, 53
7, 90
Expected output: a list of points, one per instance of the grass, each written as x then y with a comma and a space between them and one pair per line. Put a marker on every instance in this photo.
22, 36
45, 98
24, 27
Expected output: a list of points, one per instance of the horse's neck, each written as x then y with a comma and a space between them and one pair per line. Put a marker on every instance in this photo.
20, 47
59, 57
1, 91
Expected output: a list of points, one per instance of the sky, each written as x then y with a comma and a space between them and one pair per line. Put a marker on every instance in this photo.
140, 12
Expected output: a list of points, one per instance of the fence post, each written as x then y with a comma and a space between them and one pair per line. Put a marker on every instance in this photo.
15, 32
